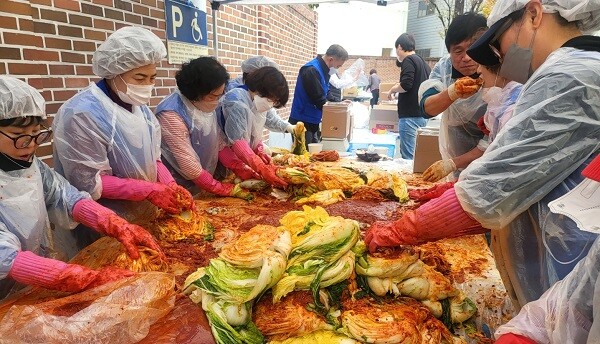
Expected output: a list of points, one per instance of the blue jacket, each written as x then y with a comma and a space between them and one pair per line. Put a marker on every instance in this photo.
302, 108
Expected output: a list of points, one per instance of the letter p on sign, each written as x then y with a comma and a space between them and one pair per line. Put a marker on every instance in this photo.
177, 19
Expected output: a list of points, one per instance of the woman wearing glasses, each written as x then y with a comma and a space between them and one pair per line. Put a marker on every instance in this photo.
537, 157
191, 137
31, 194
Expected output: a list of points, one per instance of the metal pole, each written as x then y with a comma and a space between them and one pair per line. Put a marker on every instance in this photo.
215, 8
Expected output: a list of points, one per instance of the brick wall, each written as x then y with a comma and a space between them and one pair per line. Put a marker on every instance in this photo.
50, 43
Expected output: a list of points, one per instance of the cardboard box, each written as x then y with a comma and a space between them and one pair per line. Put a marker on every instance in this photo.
384, 117
350, 92
427, 149
385, 86
336, 120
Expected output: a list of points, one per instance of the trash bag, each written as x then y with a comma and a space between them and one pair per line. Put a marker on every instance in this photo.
118, 312
349, 76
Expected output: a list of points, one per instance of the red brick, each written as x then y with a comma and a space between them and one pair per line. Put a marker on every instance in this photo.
84, 46
78, 20
44, 150
39, 55
41, 2
25, 25
2, 68
52, 108
27, 69
40, 27
95, 35
15, 7
8, 22
71, 31
84, 70
10, 53
113, 14
103, 2
139, 9
63, 94
67, 4
66, 56
133, 18
46, 82
125, 6
60, 16
92, 9
104, 24
61, 70
22, 39
151, 3
77, 82
57, 43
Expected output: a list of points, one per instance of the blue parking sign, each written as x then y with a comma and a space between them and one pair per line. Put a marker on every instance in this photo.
186, 30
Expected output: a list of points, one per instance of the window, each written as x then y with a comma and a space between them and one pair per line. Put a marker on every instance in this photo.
423, 52
425, 9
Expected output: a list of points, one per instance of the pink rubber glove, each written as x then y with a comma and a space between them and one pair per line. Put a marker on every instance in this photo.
260, 151
228, 159
511, 338
206, 182
439, 218
31, 269
424, 195
105, 221
172, 198
163, 174
268, 172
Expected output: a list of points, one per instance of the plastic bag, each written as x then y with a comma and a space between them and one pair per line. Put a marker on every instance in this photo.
119, 312
349, 76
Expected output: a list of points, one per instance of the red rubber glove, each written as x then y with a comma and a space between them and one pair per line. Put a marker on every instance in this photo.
511, 338
242, 150
172, 198
440, 218
260, 151
105, 221
206, 182
31, 269
228, 158
424, 195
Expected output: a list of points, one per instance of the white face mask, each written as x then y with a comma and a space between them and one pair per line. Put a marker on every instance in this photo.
136, 94
492, 95
332, 71
262, 104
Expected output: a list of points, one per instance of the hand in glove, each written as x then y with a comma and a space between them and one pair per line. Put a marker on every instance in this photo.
242, 150
262, 152
440, 218
171, 198
424, 195
464, 87
105, 221
228, 158
511, 338
439, 170
31, 269
290, 128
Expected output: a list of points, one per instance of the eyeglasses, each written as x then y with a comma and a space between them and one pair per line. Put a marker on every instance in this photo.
23, 141
496, 52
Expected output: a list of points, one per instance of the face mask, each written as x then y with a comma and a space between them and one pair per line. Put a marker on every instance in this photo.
262, 104
332, 71
8, 164
492, 95
399, 59
516, 65
136, 94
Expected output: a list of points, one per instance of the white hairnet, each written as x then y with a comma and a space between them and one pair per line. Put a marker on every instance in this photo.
126, 49
18, 99
256, 62
585, 12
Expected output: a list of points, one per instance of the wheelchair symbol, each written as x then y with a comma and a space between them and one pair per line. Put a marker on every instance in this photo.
196, 33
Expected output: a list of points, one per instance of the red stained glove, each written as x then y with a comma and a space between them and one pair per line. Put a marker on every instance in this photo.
443, 217
242, 150
228, 158
260, 151
172, 198
31, 269
511, 338
105, 221
482, 127
424, 195
206, 182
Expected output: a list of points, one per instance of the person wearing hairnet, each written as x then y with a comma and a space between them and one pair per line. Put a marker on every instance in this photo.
311, 91
452, 89
32, 194
107, 141
569, 312
500, 95
538, 155
243, 114
191, 137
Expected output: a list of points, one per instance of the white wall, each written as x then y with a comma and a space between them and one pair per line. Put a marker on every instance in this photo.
361, 28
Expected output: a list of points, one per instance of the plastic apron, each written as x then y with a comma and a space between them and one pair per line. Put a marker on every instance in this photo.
23, 220
240, 120
205, 137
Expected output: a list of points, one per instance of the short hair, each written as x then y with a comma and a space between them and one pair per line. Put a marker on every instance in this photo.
463, 27
270, 83
337, 51
21, 122
199, 77
406, 41
373, 71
